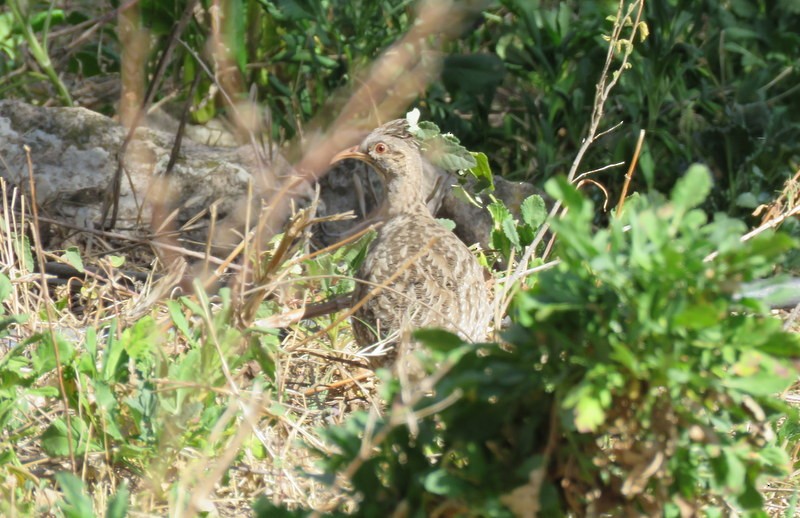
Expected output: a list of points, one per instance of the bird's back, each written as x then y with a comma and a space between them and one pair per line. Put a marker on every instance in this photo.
429, 278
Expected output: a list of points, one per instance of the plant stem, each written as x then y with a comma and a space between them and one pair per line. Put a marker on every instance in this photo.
40, 53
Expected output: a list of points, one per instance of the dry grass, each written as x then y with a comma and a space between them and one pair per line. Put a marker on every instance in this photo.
283, 418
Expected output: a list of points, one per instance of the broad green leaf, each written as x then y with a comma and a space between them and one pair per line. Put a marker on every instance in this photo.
533, 211
699, 316
560, 189
178, 318
236, 37
747, 200
426, 130
44, 357
112, 359
499, 213
692, 188
90, 342
761, 384
51, 17
140, 340
73, 256
265, 350
776, 457
734, 471
22, 249
446, 152
55, 439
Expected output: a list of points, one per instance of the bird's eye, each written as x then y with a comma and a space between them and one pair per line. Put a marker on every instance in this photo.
380, 148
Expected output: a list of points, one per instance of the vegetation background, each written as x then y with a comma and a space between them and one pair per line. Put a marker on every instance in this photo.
632, 378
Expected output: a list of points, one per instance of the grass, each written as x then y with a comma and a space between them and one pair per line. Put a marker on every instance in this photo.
225, 431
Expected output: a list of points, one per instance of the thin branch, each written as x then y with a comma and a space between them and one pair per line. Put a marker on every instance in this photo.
603, 89
629, 174
48, 306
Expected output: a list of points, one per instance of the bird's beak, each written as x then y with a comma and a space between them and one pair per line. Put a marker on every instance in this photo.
354, 153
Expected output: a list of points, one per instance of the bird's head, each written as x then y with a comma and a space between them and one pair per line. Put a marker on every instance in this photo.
391, 149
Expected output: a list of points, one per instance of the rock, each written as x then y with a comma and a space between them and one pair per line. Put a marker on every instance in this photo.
74, 154
474, 224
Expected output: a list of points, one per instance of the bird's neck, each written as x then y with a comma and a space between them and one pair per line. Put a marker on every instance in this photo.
405, 196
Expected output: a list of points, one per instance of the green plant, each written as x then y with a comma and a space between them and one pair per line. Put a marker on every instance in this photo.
120, 406
633, 379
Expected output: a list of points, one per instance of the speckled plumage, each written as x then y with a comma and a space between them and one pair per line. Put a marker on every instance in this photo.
430, 277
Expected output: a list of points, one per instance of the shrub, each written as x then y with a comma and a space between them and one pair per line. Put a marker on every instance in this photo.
633, 379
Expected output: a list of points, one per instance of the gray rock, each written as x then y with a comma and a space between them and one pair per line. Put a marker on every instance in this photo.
74, 155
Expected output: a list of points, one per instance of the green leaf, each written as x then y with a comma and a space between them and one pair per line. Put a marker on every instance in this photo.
118, 504
113, 357
6, 288
265, 350
441, 482
449, 224
510, 231
533, 211
559, 188
426, 130
40, 19
55, 439
499, 213
73, 256
108, 406
141, 339
699, 316
589, 414
76, 503
22, 249
692, 188
44, 357
236, 30
759, 374
438, 339
446, 152
176, 313
482, 172
734, 471
747, 200
90, 342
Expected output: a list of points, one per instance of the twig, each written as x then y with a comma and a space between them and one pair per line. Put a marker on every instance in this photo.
598, 170
338, 384
51, 317
603, 89
629, 174
766, 226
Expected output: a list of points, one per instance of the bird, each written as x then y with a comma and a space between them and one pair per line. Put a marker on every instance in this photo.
416, 272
